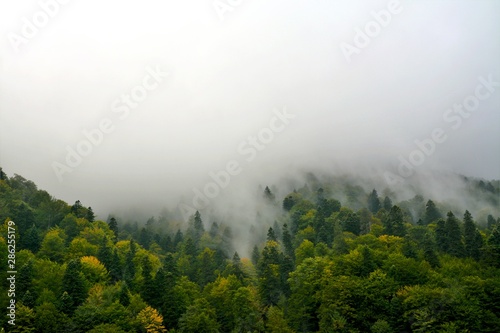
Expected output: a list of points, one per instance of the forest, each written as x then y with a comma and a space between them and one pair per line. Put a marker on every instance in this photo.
331, 258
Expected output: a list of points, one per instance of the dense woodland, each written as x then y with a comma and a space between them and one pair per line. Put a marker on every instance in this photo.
369, 264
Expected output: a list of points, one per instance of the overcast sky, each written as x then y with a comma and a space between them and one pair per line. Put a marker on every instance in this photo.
351, 91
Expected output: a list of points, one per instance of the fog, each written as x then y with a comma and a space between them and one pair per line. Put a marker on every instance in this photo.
158, 99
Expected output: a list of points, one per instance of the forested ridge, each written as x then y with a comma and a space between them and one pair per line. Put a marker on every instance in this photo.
366, 264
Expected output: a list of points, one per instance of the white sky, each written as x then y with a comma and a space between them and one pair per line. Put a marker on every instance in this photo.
226, 77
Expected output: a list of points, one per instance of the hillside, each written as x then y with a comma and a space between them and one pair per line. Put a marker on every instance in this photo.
321, 254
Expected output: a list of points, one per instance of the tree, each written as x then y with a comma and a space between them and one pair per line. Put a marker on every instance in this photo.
268, 269
271, 235
77, 209
31, 240
255, 255
268, 195
493, 247
113, 226
276, 322
472, 237
454, 236
431, 212
90, 216
373, 202
151, 320
74, 285
387, 204
441, 236
287, 242
199, 318
199, 229
393, 223
53, 245
339, 244
49, 319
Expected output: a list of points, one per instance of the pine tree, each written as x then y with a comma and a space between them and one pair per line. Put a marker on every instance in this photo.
271, 235
472, 237
255, 255
268, 195
90, 216
393, 223
454, 236
74, 284
431, 212
429, 251
148, 290
339, 243
199, 229
492, 254
441, 236
352, 224
214, 230
32, 240
129, 269
287, 242
373, 202
113, 226
387, 204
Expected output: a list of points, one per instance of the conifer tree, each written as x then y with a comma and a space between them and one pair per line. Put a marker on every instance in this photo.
373, 202
454, 236
431, 212
441, 235
73, 284
472, 237
287, 243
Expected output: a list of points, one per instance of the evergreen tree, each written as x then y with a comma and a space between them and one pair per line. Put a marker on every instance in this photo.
441, 235
393, 223
491, 222
431, 212
365, 218
31, 240
214, 230
199, 229
373, 202
454, 236
129, 268
148, 290
113, 226
255, 255
271, 235
90, 216
492, 255
73, 284
268, 195
472, 237
339, 243
124, 296
287, 243
352, 224
429, 250
387, 204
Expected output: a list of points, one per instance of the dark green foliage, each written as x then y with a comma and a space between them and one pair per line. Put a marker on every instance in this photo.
472, 237
436, 276
454, 236
393, 222
73, 285
431, 213
374, 202
287, 242
271, 235
387, 204
113, 226
90, 216
199, 229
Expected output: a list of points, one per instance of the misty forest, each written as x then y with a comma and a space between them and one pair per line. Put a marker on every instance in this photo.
329, 256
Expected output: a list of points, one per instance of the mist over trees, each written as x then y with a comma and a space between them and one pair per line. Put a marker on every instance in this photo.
330, 255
